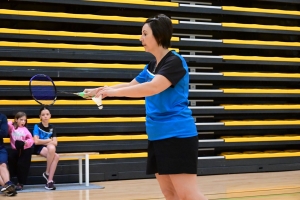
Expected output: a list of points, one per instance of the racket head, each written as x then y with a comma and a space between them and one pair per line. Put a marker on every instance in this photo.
42, 89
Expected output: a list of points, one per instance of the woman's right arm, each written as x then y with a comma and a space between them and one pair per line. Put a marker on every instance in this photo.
141, 78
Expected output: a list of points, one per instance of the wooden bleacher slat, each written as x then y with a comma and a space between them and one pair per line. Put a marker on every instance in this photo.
68, 34
75, 54
73, 34
68, 46
69, 65
64, 156
95, 138
259, 107
144, 137
262, 139
260, 26
106, 156
262, 155
119, 155
74, 16
62, 83
260, 58
98, 84
142, 102
261, 10
283, 1
71, 102
258, 42
243, 93
179, 7
148, 3
98, 19
259, 74
262, 123
78, 36
129, 2
262, 91
249, 60
245, 76
87, 120
23, 91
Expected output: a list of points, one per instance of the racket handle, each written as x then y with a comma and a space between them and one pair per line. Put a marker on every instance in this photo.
81, 94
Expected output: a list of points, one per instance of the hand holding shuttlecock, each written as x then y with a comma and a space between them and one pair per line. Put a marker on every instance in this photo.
97, 100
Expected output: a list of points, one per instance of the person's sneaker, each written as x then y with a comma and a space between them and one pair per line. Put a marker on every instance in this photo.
19, 187
12, 193
50, 186
7, 186
45, 176
9, 189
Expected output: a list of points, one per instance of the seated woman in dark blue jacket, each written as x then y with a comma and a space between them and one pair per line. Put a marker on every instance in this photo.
7, 186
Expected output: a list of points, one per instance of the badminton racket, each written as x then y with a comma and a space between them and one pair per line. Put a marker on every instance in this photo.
43, 91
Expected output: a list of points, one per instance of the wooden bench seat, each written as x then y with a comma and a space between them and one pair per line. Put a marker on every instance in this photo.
73, 156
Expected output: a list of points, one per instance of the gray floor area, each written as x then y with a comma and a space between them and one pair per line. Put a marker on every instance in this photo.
60, 187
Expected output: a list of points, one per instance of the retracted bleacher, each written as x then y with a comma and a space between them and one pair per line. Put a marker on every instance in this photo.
243, 58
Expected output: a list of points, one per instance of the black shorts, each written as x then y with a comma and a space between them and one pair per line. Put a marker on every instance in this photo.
3, 155
173, 156
38, 148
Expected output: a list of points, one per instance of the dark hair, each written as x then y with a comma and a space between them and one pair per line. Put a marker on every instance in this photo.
17, 116
44, 108
162, 29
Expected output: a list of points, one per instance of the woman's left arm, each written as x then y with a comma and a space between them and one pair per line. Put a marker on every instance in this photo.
158, 84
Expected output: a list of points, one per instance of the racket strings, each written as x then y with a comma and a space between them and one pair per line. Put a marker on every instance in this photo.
43, 89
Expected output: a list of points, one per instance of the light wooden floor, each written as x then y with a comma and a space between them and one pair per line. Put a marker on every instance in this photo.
256, 186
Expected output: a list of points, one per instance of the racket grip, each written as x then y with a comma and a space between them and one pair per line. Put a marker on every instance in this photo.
81, 94
98, 101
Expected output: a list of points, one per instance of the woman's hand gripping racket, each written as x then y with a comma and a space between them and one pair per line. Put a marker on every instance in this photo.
43, 91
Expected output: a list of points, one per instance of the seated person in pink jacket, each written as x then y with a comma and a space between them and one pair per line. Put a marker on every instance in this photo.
21, 142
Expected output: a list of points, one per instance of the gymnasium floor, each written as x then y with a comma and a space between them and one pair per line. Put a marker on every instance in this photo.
254, 186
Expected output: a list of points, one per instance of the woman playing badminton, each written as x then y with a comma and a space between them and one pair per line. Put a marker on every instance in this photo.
171, 130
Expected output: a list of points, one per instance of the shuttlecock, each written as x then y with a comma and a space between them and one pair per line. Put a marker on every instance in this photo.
98, 101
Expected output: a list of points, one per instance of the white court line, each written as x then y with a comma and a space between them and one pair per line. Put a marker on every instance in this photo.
201, 23
216, 140
206, 107
205, 90
201, 56
210, 123
211, 157
200, 40
209, 74
200, 6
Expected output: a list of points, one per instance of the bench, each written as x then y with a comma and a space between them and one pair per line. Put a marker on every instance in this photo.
73, 156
